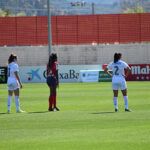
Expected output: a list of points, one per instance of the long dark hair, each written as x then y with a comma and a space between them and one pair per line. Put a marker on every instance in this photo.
117, 56
52, 59
12, 58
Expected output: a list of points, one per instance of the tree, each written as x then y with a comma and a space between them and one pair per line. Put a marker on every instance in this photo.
22, 13
134, 6
138, 9
4, 13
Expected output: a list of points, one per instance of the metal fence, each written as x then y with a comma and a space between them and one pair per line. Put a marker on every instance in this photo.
79, 29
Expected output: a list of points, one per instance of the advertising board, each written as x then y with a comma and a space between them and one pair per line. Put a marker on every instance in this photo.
89, 75
139, 72
67, 73
3, 75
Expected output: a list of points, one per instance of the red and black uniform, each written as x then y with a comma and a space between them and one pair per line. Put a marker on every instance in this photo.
52, 75
52, 81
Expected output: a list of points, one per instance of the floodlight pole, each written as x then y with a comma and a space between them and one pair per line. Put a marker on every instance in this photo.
49, 28
93, 8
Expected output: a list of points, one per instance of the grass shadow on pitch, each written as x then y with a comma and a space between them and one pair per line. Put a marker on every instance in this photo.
38, 112
3, 113
104, 112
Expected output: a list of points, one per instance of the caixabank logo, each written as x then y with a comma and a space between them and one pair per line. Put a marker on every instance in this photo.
33, 73
139, 72
70, 74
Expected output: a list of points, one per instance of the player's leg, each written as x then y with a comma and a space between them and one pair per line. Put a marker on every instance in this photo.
125, 96
115, 87
50, 82
55, 96
10, 93
17, 101
51, 99
115, 99
11, 86
53, 93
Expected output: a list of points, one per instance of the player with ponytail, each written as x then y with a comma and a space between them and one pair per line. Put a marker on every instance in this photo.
52, 81
118, 75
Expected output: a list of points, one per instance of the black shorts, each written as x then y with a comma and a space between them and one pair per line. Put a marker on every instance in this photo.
51, 81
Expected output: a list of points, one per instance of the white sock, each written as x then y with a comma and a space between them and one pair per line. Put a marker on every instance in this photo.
125, 101
115, 100
9, 102
17, 103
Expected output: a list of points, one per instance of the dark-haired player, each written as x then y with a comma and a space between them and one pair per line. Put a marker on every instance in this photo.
52, 81
118, 79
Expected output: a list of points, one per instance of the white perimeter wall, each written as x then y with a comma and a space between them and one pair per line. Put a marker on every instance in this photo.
79, 54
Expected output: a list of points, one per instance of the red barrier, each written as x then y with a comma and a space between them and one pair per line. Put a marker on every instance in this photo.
108, 28
66, 30
26, 31
87, 29
7, 31
129, 28
42, 30
145, 27
83, 29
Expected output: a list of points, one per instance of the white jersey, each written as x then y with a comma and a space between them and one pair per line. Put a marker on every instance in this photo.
12, 67
12, 82
118, 80
118, 68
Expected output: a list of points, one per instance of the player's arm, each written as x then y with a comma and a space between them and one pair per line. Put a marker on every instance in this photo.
107, 71
57, 75
128, 71
18, 78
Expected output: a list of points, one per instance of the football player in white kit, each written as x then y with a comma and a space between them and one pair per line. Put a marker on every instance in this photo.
118, 79
13, 83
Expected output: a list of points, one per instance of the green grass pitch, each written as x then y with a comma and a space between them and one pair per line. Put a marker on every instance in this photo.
86, 121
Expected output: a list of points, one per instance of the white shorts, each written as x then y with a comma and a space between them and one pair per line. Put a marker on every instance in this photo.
119, 84
13, 85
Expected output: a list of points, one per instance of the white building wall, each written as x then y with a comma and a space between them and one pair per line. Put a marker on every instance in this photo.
78, 54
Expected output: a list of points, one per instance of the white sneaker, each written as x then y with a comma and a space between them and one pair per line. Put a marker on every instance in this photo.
20, 111
54, 109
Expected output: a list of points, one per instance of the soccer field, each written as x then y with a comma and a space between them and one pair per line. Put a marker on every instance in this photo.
86, 120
